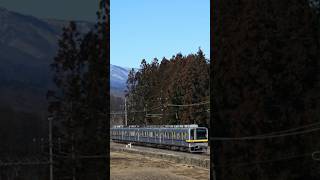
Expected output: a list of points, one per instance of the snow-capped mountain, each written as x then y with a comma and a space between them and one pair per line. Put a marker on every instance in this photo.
118, 76
27, 47
118, 79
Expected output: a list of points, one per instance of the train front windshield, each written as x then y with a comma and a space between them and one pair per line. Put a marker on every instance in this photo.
201, 133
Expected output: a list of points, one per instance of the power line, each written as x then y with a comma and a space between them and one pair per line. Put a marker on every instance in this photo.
292, 129
185, 105
141, 111
260, 137
233, 165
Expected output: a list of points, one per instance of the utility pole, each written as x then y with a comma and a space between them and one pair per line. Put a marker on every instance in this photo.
73, 160
72, 145
125, 110
50, 148
145, 117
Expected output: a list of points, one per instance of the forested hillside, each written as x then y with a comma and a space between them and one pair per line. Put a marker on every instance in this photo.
266, 90
116, 105
172, 91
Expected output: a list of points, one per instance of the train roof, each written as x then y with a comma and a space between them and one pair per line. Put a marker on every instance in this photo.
158, 126
150, 128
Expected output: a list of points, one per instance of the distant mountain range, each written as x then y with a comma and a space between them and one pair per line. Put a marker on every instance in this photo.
118, 79
27, 48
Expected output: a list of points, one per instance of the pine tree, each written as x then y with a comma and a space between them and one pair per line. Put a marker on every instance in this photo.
80, 104
180, 80
264, 80
65, 105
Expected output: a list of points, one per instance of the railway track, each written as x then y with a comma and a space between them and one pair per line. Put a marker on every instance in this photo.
201, 160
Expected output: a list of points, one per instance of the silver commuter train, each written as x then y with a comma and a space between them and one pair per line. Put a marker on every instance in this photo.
183, 137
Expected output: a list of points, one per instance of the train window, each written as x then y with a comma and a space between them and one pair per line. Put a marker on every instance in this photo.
178, 135
201, 133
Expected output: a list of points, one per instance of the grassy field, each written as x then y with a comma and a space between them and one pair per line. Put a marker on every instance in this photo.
127, 166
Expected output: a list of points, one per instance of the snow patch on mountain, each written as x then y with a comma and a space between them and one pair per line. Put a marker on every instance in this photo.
118, 79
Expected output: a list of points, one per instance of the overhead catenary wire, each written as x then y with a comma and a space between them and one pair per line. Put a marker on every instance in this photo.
261, 137
292, 129
160, 107
141, 111
235, 164
186, 105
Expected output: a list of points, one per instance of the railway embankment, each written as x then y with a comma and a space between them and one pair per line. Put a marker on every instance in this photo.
199, 160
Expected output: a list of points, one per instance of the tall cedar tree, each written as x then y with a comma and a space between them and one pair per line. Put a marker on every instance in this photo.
180, 80
80, 103
67, 106
265, 79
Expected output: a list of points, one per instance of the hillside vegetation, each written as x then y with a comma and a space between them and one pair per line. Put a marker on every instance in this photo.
169, 92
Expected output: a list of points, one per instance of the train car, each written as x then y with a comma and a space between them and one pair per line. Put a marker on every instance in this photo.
189, 138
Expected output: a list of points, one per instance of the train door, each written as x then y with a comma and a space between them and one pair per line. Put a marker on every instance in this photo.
121, 134
171, 135
192, 136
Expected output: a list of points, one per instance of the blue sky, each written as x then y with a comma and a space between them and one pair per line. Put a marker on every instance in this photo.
57, 9
145, 29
